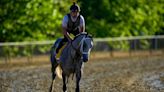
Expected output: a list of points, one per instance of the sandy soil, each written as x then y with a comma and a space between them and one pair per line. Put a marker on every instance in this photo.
134, 74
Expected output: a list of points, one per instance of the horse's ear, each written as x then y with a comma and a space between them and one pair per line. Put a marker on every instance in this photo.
89, 35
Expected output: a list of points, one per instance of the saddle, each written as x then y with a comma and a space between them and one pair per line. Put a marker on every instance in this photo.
60, 51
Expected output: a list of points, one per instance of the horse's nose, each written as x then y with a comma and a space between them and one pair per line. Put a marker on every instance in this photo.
85, 57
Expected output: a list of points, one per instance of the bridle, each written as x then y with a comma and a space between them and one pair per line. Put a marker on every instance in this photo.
79, 49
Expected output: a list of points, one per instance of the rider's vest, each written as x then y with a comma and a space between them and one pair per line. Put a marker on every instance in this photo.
73, 27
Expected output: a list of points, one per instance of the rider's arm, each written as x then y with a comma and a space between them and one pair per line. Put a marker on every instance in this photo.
66, 34
64, 27
82, 24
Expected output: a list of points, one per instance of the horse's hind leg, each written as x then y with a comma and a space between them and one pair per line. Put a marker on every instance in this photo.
53, 67
54, 64
64, 82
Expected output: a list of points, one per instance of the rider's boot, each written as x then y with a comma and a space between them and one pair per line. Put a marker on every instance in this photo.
57, 50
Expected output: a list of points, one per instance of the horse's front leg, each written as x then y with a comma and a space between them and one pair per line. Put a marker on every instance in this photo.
78, 77
64, 82
53, 77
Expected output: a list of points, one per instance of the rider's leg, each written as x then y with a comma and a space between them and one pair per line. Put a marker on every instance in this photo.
61, 44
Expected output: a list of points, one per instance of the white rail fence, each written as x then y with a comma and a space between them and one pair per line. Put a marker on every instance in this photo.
9, 50
156, 37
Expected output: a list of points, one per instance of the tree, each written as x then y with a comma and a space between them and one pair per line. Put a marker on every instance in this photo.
26, 20
123, 17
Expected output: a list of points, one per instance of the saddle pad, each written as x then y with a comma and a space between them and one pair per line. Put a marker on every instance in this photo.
60, 51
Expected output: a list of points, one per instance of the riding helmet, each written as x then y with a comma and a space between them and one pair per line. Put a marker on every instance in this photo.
75, 7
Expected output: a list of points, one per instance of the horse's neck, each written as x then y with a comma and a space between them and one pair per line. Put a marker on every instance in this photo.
77, 42
69, 51
72, 48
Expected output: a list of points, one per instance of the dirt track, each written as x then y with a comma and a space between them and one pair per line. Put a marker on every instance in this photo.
142, 74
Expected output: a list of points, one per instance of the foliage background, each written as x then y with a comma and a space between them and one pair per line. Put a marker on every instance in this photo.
30, 20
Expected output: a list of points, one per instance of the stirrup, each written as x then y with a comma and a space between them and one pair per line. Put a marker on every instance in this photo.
57, 59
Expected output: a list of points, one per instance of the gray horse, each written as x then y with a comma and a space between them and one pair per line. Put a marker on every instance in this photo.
71, 59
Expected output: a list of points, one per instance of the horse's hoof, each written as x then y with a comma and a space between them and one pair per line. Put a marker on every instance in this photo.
85, 61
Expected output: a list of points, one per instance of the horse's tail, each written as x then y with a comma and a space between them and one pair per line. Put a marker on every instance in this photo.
59, 71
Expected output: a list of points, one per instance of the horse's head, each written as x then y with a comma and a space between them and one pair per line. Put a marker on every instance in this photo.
84, 43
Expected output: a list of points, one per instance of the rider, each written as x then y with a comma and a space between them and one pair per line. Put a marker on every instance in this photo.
73, 23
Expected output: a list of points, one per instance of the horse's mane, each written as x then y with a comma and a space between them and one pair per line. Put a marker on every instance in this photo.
83, 33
